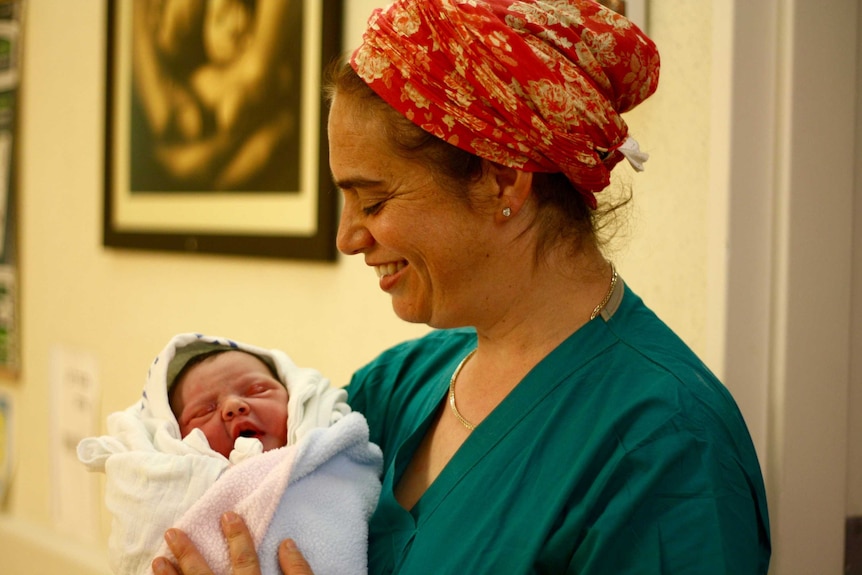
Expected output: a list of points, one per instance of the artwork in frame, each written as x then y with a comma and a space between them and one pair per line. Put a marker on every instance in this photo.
216, 129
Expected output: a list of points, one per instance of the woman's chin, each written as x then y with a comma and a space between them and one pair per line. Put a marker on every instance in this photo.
408, 313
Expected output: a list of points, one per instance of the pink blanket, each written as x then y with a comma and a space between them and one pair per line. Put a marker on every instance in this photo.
320, 492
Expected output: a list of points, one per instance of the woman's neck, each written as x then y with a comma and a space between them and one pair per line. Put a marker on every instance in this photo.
554, 299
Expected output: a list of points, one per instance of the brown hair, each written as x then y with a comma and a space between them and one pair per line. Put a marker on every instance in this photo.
563, 215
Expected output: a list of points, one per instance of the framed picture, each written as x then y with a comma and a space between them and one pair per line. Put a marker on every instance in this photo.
215, 137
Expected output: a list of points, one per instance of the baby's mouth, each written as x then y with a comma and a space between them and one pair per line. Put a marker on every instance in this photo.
248, 432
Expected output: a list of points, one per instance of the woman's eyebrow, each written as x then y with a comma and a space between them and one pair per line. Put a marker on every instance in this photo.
356, 183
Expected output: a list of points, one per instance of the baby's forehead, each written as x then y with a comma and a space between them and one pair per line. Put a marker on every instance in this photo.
228, 368
197, 351
234, 361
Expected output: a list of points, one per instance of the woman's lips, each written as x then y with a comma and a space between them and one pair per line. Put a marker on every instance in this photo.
389, 273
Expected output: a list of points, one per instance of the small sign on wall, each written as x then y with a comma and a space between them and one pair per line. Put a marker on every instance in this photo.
74, 394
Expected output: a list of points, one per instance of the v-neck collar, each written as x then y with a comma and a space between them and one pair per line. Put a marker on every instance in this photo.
508, 415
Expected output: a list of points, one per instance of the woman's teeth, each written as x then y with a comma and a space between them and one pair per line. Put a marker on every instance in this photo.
389, 269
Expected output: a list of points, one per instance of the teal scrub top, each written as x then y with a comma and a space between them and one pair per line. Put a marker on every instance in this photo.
619, 453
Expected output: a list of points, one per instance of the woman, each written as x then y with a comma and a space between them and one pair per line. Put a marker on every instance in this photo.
552, 424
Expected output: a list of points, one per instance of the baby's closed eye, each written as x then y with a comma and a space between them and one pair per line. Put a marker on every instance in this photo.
199, 412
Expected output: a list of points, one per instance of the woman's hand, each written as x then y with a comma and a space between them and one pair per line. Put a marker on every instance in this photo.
291, 560
243, 557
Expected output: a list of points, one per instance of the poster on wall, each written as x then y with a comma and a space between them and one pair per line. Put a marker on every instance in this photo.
9, 48
9, 336
215, 130
7, 446
11, 16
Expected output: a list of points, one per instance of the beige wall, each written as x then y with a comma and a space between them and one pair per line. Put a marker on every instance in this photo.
121, 307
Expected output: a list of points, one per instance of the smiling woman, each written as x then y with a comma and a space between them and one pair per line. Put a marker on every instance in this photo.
393, 215
473, 142
492, 188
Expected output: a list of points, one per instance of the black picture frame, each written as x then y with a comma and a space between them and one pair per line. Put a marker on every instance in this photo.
157, 198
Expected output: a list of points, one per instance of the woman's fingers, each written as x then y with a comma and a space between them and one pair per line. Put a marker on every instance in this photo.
188, 557
291, 560
243, 556
162, 566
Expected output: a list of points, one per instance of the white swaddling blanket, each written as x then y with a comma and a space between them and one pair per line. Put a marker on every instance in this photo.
156, 479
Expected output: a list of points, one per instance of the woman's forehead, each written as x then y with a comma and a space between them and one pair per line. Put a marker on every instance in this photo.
352, 115
357, 140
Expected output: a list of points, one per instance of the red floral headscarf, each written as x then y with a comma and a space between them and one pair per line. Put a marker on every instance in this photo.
534, 84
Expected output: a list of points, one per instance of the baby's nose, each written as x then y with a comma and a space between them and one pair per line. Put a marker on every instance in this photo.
234, 406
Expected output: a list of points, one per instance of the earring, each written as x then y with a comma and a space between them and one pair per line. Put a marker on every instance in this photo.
507, 211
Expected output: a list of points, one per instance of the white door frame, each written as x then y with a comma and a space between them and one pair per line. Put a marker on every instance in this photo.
784, 122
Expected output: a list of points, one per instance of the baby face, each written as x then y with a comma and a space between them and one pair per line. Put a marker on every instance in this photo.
230, 395
227, 29
179, 22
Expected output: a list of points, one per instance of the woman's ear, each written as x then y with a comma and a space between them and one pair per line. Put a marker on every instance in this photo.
513, 188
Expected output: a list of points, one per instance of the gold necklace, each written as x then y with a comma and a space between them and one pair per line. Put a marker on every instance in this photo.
593, 316
457, 413
604, 302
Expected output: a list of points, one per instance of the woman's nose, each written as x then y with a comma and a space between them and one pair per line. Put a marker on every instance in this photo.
353, 237
233, 407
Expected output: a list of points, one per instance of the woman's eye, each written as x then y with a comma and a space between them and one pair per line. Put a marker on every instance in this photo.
372, 209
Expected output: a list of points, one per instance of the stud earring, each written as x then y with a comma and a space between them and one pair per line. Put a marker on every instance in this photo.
507, 212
